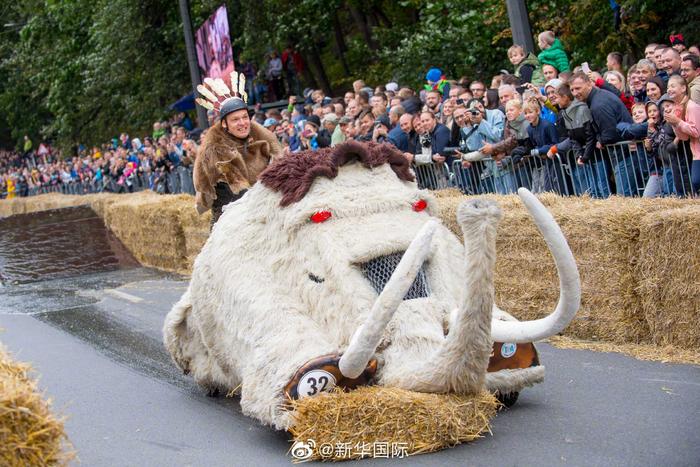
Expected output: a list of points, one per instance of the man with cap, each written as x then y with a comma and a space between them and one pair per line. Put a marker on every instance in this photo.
381, 129
330, 123
339, 134
271, 124
323, 136
234, 152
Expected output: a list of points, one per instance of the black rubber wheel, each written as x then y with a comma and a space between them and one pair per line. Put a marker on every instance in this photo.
509, 399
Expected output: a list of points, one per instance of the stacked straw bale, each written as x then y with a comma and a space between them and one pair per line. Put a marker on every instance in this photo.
374, 414
604, 236
29, 433
447, 193
150, 226
195, 228
670, 276
100, 202
10, 207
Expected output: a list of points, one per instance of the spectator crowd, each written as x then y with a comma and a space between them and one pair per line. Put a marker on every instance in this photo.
161, 161
631, 129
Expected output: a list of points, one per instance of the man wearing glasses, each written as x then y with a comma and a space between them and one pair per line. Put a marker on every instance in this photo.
478, 89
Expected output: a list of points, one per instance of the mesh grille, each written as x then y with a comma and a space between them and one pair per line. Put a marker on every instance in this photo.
379, 270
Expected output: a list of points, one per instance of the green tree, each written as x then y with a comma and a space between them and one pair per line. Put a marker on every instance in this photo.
82, 71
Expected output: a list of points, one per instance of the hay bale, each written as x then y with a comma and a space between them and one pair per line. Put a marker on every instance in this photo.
447, 193
161, 231
45, 202
29, 433
99, 201
669, 283
148, 224
447, 206
649, 352
195, 228
10, 207
604, 237
371, 415
168, 233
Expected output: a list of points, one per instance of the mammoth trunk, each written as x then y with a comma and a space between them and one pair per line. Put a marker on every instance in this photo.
461, 363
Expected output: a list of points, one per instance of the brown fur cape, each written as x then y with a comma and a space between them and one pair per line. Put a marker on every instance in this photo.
221, 158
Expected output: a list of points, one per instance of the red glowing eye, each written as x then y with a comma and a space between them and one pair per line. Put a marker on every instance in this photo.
321, 216
420, 205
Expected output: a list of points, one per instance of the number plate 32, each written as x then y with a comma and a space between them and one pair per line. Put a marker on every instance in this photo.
314, 382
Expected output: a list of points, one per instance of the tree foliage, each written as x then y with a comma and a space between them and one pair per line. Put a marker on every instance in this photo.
82, 70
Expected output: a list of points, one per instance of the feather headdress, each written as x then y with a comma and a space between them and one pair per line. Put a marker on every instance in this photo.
215, 91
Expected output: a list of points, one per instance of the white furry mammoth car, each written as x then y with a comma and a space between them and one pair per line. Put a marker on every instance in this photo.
333, 270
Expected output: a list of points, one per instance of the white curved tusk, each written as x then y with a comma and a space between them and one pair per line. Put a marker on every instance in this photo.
367, 337
569, 282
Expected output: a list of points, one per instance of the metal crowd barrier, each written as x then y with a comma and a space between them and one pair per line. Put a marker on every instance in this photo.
433, 176
175, 182
622, 169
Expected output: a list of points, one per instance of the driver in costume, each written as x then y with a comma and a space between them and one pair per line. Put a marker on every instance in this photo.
233, 153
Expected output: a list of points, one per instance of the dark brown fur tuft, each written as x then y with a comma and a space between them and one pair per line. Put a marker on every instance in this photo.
293, 175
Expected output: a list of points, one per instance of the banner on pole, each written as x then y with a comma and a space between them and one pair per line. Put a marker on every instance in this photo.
214, 51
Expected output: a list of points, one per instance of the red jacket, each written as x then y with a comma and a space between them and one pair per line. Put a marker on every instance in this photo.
296, 57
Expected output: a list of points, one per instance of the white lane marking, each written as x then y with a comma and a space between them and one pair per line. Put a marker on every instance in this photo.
124, 295
669, 381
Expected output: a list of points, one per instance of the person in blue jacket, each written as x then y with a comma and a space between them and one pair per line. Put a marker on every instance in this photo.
542, 135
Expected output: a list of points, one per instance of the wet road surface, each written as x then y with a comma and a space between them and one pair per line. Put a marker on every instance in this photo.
58, 243
95, 341
76, 306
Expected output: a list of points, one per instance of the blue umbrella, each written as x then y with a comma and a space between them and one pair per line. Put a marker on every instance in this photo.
183, 104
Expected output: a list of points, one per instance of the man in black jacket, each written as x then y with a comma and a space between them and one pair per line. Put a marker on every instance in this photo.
432, 167
607, 111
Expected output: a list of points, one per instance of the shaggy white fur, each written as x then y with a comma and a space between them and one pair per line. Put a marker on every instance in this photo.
272, 290
507, 381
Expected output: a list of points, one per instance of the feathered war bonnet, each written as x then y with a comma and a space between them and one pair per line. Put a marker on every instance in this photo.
217, 97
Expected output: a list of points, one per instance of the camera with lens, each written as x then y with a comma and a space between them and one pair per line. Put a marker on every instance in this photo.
451, 151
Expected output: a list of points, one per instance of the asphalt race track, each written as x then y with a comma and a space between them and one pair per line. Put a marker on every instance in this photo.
95, 341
